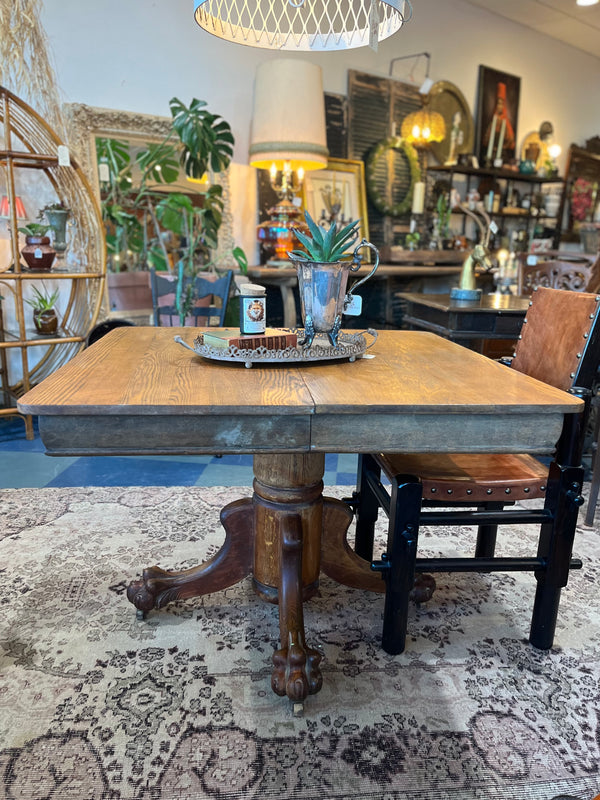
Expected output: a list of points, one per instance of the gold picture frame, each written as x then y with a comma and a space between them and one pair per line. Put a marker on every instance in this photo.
337, 194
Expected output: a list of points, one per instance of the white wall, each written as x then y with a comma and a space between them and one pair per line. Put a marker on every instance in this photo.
136, 55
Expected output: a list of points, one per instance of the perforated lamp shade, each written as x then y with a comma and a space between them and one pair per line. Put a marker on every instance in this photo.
288, 121
302, 24
422, 127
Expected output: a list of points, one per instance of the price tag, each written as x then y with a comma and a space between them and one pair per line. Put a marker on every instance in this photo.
353, 307
37, 253
64, 159
493, 227
374, 26
103, 172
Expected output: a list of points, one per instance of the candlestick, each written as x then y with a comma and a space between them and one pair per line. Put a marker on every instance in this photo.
418, 203
501, 139
492, 137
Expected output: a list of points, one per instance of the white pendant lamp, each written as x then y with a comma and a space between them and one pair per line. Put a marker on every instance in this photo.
303, 25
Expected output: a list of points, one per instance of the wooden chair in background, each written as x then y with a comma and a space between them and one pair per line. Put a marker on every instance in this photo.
212, 311
570, 271
564, 355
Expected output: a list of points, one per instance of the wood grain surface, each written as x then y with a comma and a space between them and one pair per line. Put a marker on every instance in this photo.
136, 390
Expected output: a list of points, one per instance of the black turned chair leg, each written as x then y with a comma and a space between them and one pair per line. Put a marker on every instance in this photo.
398, 564
485, 546
555, 547
367, 507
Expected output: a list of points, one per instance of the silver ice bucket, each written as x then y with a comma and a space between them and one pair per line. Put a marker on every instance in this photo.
323, 294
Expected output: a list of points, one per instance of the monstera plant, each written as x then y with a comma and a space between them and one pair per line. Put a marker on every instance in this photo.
139, 218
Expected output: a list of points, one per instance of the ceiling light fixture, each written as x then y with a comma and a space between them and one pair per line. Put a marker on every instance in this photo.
303, 25
587, 2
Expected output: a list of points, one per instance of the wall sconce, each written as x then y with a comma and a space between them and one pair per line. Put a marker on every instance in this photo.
303, 25
288, 138
422, 127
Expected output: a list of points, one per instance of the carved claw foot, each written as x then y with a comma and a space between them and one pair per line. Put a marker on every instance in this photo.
423, 588
296, 673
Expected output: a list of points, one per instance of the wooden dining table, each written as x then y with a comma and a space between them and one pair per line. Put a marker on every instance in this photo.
138, 392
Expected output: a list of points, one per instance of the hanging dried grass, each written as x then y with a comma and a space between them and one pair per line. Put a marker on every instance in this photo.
25, 62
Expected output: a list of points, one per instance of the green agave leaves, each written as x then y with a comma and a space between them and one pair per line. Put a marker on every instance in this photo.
324, 245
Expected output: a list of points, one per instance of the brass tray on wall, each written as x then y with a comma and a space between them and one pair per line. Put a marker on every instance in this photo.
448, 100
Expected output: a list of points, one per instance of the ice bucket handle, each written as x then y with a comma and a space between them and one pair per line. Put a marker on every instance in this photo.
358, 263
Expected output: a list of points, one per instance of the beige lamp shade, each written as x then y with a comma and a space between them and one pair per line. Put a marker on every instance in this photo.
302, 25
288, 121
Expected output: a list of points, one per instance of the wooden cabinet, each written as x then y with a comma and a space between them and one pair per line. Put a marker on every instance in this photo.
31, 168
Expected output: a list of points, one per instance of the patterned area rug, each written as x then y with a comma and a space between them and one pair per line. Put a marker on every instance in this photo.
96, 704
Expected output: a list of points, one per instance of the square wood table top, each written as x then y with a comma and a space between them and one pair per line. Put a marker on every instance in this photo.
137, 391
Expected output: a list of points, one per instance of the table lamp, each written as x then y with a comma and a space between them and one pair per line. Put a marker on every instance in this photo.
288, 138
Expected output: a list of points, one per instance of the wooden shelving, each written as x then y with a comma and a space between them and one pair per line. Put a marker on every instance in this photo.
31, 144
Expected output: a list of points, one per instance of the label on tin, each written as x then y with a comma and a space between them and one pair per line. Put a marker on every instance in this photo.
252, 315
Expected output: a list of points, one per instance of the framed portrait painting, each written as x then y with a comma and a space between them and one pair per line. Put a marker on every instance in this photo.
337, 194
497, 116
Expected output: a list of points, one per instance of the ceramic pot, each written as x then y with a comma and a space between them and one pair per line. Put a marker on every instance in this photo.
38, 253
57, 219
45, 321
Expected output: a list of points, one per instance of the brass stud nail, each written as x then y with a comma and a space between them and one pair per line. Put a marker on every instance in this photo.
433, 490
507, 491
585, 335
572, 375
488, 491
449, 491
527, 490
578, 355
542, 488
469, 491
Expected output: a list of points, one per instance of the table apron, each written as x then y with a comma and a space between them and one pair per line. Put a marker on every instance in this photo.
197, 434
437, 432
189, 434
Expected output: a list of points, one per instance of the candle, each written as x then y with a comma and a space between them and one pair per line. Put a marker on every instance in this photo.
501, 139
418, 203
492, 137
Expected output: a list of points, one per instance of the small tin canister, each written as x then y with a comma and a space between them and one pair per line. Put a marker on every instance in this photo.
253, 308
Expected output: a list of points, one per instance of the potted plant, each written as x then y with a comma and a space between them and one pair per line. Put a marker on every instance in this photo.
323, 272
38, 252
45, 318
168, 232
57, 215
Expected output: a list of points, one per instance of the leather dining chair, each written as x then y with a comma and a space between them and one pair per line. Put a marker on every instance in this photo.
559, 345
163, 299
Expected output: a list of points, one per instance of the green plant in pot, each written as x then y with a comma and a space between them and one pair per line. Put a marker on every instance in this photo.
38, 253
323, 270
45, 317
140, 218
57, 215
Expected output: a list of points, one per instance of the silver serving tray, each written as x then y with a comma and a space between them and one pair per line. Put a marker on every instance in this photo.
350, 346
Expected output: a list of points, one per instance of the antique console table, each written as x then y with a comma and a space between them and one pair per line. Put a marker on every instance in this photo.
136, 391
474, 323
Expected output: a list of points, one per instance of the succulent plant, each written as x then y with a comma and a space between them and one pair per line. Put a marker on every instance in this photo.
44, 300
325, 246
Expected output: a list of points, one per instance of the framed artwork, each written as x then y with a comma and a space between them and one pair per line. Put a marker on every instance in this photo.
449, 101
337, 194
497, 116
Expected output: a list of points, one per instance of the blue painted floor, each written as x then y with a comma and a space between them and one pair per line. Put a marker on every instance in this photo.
23, 464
